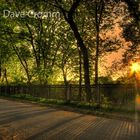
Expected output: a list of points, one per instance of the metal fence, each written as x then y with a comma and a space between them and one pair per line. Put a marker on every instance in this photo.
117, 93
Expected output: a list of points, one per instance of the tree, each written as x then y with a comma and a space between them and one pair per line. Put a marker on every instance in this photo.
133, 7
38, 36
132, 30
69, 17
98, 7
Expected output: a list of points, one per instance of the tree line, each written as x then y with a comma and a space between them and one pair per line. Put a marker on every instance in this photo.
68, 46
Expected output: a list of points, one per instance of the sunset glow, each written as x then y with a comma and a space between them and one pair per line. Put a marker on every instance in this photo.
135, 67
138, 99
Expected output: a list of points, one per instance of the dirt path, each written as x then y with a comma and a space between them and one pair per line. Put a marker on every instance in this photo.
22, 121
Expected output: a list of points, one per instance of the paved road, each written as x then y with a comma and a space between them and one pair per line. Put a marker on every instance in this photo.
22, 121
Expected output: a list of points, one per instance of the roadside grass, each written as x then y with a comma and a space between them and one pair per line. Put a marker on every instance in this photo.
106, 109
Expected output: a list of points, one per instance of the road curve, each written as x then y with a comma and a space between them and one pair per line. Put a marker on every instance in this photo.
23, 121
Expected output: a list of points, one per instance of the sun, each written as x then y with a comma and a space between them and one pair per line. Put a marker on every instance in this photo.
135, 67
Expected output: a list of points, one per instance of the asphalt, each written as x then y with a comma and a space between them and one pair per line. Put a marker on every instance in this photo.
24, 121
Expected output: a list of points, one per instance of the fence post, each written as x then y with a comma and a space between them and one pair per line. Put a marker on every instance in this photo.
68, 93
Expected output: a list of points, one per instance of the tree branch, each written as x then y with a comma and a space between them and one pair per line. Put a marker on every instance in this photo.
74, 7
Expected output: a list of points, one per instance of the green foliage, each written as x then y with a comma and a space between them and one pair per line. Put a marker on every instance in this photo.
87, 107
37, 50
106, 103
29, 97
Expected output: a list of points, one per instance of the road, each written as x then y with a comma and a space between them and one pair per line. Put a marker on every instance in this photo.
24, 121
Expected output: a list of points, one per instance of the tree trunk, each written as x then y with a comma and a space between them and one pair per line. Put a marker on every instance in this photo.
84, 52
96, 68
27, 72
97, 57
68, 15
98, 17
37, 57
66, 85
0, 70
23, 63
5, 76
80, 75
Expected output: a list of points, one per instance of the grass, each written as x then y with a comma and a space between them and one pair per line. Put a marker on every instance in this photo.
83, 107
74, 104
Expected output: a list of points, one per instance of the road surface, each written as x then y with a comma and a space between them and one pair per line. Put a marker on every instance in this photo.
23, 121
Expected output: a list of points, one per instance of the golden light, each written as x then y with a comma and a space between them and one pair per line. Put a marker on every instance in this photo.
138, 99
135, 67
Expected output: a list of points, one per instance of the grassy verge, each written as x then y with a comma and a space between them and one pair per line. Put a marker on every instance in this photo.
81, 107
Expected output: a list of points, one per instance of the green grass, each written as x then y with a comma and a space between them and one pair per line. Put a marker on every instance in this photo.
82, 105
29, 97
105, 110
104, 107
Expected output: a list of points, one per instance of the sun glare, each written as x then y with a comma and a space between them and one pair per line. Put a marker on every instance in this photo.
135, 67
